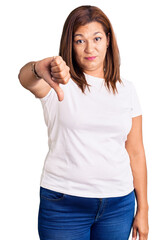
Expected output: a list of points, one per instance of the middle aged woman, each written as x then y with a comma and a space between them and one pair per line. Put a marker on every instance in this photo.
96, 162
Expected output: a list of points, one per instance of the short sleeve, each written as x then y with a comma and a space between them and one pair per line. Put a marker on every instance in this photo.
135, 103
44, 99
49, 104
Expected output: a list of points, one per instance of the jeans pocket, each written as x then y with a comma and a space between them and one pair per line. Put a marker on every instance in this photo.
50, 194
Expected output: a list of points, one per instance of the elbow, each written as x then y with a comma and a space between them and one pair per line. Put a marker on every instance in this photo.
20, 77
136, 152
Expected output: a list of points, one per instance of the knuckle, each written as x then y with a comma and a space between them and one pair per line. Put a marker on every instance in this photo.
61, 74
53, 75
144, 233
57, 60
58, 68
66, 80
52, 69
60, 58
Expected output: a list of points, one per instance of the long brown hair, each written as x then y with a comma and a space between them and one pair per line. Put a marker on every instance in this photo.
79, 17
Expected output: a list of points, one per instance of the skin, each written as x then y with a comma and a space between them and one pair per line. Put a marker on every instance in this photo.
91, 40
135, 149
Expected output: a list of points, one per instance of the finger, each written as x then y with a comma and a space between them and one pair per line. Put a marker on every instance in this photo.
134, 234
58, 68
67, 78
55, 69
59, 91
143, 236
61, 75
56, 61
64, 80
54, 85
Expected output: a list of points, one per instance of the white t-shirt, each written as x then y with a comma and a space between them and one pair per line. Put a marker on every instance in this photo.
86, 137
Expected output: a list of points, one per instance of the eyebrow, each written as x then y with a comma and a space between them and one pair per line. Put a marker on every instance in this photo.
79, 34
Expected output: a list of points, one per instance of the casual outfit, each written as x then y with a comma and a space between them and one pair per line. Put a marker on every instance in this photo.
87, 169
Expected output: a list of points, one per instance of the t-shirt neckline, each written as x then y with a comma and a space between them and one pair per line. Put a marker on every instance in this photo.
93, 79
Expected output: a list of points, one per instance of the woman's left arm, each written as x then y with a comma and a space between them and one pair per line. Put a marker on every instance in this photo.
135, 149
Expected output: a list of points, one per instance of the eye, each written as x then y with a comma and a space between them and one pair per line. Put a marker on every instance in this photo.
97, 39
80, 41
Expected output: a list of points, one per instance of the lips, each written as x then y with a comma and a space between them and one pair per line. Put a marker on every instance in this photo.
90, 58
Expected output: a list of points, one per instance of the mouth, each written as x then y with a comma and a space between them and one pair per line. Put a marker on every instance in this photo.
90, 58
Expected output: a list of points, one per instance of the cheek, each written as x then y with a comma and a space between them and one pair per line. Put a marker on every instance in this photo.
78, 56
77, 53
102, 50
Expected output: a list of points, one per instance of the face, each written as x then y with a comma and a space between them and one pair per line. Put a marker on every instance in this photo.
90, 46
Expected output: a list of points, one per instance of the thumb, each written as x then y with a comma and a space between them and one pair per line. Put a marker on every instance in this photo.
54, 85
134, 234
58, 90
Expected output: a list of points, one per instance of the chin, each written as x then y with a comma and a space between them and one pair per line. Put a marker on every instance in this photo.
90, 66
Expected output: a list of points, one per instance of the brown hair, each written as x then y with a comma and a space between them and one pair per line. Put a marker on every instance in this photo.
79, 17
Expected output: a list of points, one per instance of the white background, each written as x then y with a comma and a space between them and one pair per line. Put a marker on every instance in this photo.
31, 30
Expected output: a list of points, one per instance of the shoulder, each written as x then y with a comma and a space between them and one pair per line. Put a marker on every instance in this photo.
126, 82
125, 85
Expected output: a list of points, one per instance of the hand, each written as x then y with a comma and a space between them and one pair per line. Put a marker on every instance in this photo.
140, 225
54, 71
59, 70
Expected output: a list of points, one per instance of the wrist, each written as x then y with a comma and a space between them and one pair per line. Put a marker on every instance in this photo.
36, 75
143, 208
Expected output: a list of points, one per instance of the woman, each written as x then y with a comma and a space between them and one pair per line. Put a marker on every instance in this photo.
96, 163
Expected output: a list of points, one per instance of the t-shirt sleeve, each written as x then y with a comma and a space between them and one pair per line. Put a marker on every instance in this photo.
49, 104
136, 109
44, 99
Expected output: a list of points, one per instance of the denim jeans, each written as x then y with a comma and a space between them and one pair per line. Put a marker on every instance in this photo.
66, 217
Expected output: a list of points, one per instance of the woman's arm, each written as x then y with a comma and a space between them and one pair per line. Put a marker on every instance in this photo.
52, 70
135, 149
39, 87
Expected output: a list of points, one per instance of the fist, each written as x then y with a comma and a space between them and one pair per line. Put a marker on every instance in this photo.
54, 71
60, 72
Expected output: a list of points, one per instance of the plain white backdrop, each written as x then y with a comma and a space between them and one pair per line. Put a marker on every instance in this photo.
31, 30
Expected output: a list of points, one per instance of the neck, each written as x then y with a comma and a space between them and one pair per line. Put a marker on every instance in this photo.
95, 73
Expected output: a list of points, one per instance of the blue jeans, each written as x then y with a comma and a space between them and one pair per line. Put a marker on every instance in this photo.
66, 217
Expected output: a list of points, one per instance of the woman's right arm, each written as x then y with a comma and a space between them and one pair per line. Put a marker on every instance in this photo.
39, 87
46, 69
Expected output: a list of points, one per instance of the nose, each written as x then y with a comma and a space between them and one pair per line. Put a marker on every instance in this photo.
89, 47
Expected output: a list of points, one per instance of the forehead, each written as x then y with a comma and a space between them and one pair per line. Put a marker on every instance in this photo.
90, 29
